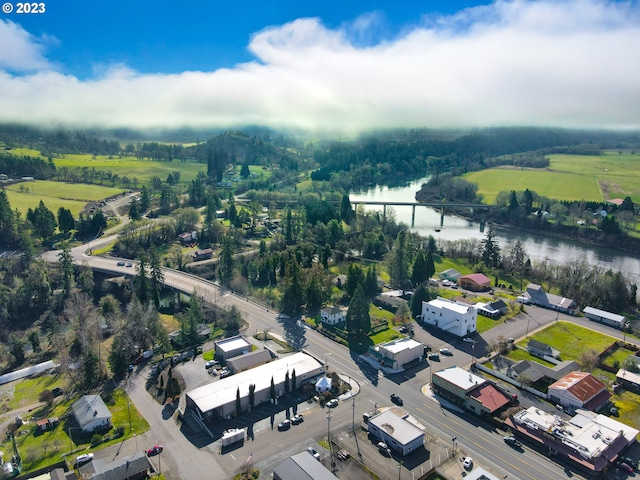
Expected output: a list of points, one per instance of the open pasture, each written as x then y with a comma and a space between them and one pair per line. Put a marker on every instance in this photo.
74, 196
131, 167
569, 177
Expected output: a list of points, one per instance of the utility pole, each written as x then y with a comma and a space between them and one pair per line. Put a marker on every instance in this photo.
333, 463
353, 412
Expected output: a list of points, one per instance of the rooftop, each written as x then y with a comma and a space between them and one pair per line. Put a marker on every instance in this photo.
233, 343
582, 385
460, 378
394, 422
490, 397
443, 303
479, 278
604, 314
399, 344
628, 376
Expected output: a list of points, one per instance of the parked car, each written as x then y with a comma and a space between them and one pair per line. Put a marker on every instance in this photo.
84, 458
384, 449
211, 364
513, 441
468, 340
396, 399
333, 403
625, 467
434, 356
284, 425
155, 450
129, 265
314, 453
467, 463
629, 461
120, 264
225, 373
446, 351
297, 419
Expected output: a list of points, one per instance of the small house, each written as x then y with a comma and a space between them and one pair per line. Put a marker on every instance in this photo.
539, 349
45, 424
451, 274
323, 385
91, 413
333, 315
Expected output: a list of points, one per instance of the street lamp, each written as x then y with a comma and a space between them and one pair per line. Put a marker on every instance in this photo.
129, 412
453, 442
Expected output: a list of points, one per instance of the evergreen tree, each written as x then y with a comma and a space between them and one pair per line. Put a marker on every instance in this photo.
141, 281
43, 220
490, 250
355, 277
293, 381
419, 273
66, 222
134, 212
431, 267
371, 287
244, 170
66, 266
238, 404
145, 200
7, 219
399, 263
358, 320
226, 265
90, 365
421, 294
287, 385
252, 395
34, 339
293, 296
272, 390
346, 212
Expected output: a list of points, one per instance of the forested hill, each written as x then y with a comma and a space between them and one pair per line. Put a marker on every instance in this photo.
414, 151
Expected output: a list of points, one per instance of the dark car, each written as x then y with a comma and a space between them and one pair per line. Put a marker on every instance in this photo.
513, 441
629, 461
625, 467
284, 425
120, 264
396, 399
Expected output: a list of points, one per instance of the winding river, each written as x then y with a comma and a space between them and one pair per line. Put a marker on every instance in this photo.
538, 247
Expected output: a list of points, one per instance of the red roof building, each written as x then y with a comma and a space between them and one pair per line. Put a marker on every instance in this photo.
475, 282
579, 390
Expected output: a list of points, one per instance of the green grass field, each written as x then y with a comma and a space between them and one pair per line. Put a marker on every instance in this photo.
569, 177
75, 196
142, 170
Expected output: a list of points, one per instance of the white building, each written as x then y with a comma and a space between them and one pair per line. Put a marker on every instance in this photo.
91, 413
394, 428
398, 352
602, 316
579, 390
232, 347
333, 315
454, 317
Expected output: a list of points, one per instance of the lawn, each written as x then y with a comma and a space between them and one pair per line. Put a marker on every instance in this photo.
485, 323
519, 354
74, 196
27, 391
619, 355
571, 340
569, 177
39, 449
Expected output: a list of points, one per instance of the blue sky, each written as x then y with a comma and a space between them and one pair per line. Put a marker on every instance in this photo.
347, 66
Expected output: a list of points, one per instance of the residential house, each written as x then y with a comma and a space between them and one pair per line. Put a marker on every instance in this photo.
45, 424
454, 317
91, 413
476, 282
536, 295
131, 467
579, 390
333, 315
628, 380
539, 349
493, 309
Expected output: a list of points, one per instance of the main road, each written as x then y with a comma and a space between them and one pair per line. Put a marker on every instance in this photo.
474, 437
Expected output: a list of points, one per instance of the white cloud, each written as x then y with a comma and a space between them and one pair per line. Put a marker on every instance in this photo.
562, 63
20, 50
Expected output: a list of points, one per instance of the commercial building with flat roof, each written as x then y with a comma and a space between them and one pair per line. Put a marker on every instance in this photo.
589, 439
218, 399
398, 352
469, 391
454, 317
232, 347
602, 316
304, 467
393, 428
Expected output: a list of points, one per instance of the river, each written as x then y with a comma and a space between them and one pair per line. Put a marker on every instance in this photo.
538, 247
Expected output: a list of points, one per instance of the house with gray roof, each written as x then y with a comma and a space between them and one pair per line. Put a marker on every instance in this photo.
131, 467
536, 295
539, 349
91, 413
248, 360
302, 466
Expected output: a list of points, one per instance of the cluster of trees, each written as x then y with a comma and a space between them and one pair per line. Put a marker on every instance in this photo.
18, 166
